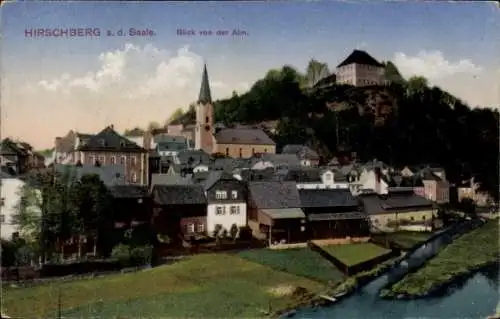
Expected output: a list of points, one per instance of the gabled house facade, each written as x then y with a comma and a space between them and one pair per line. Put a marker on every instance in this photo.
374, 180
226, 201
306, 155
110, 148
387, 212
275, 213
436, 187
179, 209
333, 213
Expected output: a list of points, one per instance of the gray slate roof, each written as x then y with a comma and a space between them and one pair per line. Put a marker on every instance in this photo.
243, 136
274, 194
374, 204
109, 140
109, 174
302, 151
327, 198
167, 179
196, 156
286, 160
205, 95
179, 194
215, 176
303, 175
129, 191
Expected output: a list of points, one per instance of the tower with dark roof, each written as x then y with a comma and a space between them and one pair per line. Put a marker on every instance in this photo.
360, 69
204, 139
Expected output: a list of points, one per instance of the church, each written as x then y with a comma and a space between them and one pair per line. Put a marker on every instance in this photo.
236, 142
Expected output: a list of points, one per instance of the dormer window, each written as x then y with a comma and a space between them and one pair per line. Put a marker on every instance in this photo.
102, 142
122, 144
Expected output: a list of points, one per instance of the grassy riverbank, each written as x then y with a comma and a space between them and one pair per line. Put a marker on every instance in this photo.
204, 286
407, 239
468, 252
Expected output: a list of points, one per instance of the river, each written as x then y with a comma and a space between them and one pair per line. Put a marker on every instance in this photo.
475, 298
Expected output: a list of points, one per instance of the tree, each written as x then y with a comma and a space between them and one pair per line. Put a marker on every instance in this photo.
234, 232
416, 85
91, 202
392, 74
176, 115
28, 214
316, 71
153, 126
217, 233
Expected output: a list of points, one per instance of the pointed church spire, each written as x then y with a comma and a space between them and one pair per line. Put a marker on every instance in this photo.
205, 96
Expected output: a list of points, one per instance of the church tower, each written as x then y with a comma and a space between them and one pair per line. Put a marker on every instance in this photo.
204, 139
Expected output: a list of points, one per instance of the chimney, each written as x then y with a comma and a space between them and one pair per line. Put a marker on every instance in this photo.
112, 127
378, 175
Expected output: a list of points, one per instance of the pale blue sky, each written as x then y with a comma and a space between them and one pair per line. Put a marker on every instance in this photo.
460, 36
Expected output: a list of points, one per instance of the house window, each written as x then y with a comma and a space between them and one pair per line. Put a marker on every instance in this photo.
200, 228
103, 142
92, 160
123, 160
219, 210
102, 159
253, 151
241, 152
133, 177
2, 218
412, 218
376, 221
227, 151
220, 195
132, 160
207, 119
2, 201
265, 150
235, 210
190, 228
112, 160
234, 194
423, 217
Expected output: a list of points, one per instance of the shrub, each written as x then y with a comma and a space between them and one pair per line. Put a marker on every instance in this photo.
121, 252
245, 233
141, 255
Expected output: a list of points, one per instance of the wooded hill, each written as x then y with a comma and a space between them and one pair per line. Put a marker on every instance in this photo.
404, 123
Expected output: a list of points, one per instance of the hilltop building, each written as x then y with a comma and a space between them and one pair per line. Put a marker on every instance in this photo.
360, 69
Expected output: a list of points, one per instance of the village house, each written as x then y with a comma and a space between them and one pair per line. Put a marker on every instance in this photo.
132, 206
179, 210
397, 209
470, 189
137, 136
65, 148
276, 161
436, 187
275, 213
306, 155
226, 201
20, 156
360, 69
110, 148
374, 180
333, 214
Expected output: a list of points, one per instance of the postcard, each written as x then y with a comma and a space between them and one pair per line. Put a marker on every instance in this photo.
307, 159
